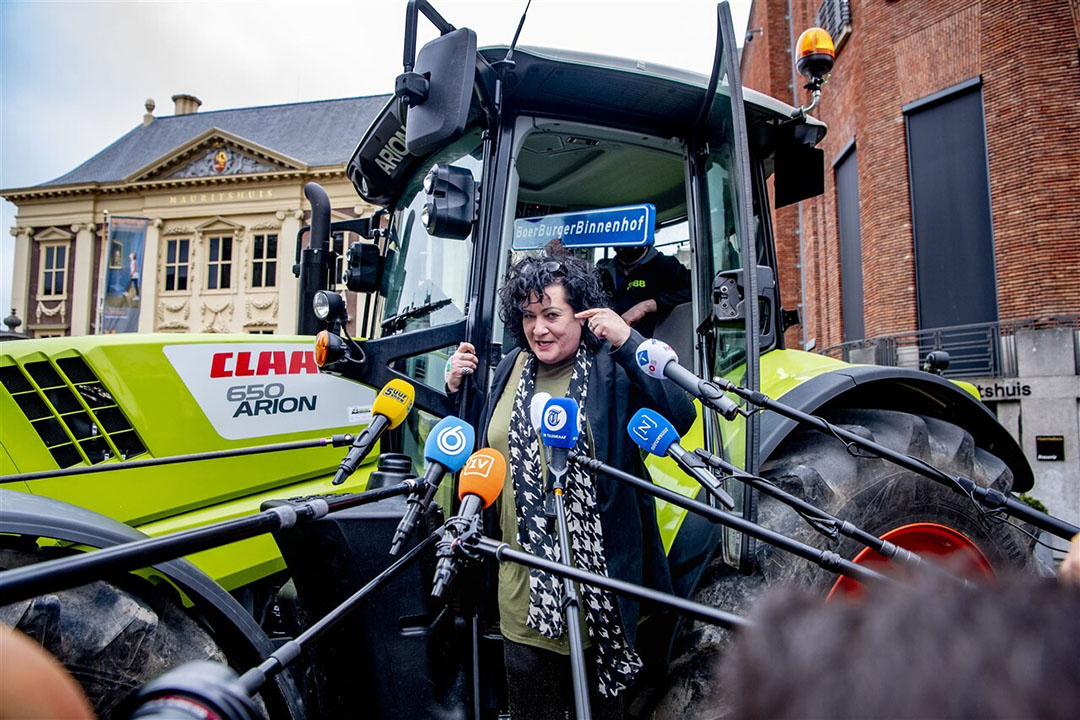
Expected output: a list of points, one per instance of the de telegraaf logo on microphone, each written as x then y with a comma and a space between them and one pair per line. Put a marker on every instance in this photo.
451, 440
554, 419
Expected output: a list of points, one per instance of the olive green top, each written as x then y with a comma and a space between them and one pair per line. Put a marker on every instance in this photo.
514, 578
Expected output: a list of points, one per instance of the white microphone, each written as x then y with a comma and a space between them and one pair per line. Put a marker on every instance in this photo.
658, 360
536, 409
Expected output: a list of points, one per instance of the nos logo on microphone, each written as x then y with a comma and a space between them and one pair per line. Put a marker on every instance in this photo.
554, 419
451, 440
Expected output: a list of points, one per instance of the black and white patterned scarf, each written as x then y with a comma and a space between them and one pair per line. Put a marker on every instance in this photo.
616, 661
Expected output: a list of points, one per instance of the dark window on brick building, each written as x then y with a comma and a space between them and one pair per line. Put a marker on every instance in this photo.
950, 207
847, 216
835, 17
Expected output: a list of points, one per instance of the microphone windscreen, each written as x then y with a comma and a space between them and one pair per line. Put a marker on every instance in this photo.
536, 409
559, 424
449, 443
483, 475
652, 431
394, 401
653, 356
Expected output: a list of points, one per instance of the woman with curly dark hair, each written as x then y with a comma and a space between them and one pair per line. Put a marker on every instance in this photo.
570, 344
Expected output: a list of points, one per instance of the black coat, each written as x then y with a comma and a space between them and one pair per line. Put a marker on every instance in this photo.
657, 277
617, 390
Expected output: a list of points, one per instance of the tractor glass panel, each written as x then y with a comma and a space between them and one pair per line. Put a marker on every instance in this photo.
424, 280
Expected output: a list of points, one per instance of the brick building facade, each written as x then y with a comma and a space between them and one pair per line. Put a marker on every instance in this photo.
894, 59
952, 180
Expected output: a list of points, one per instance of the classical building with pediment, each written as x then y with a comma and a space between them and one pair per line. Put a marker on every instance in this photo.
219, 198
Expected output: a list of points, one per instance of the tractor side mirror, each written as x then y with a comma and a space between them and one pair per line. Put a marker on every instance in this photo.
438, 91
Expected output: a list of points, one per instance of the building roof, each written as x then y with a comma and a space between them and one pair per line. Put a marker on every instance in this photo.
318, 133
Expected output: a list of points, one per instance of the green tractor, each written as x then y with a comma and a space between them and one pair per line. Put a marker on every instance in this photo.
481, 155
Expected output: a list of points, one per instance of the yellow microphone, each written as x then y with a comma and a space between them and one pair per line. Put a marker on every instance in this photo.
391, 407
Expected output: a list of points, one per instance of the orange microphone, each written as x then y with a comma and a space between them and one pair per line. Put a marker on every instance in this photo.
480, 483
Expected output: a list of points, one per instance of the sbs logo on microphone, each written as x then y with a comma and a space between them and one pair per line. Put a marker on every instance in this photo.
451, 440
554, 419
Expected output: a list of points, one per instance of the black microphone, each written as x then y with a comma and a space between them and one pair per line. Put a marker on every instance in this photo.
481, 482
390, 408
654, 434
448, 446
658, 360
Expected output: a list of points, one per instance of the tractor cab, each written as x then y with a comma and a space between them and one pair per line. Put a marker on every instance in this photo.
483, 155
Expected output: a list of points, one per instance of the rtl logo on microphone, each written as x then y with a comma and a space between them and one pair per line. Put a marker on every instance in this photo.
479, 465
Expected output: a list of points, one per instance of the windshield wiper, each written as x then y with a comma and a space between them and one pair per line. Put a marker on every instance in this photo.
396, 323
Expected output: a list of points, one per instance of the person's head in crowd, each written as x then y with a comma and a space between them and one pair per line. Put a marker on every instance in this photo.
1007, 650
33, 684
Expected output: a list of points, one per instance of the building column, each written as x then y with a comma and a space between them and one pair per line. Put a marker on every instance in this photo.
288, 284
83, 301
20, 274
149, 276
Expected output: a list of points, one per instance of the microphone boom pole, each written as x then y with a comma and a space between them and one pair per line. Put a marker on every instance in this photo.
53, 575
503, 552
559, 432
815, 515
987, 497
332, 441
823, 558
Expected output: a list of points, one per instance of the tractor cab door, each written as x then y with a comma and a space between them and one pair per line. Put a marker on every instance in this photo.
735, 282
730, 239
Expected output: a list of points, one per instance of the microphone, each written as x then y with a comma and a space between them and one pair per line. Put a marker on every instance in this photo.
390, 408
447, 448
481, 482
536, 409
654, 434
658, 360
559, 433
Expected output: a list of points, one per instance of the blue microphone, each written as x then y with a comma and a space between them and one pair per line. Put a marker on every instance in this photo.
559, 432
448, 446
654, 434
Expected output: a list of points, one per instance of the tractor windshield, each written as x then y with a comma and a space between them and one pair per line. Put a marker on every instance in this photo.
424, 280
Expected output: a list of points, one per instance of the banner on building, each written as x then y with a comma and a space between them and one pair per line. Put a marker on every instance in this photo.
121, 293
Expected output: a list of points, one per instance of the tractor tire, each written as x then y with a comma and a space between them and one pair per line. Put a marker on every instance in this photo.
112, 639
871, 493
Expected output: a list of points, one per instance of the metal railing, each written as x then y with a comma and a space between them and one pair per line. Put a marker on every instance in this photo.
979, 350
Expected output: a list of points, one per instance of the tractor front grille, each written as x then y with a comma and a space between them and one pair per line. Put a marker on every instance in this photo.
71, 410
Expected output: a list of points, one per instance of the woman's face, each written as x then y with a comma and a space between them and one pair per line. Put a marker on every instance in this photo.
550, 326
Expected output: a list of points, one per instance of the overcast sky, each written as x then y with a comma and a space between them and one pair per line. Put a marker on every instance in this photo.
74, 75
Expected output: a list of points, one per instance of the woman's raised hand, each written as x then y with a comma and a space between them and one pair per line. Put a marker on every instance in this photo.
463, 362
606, 324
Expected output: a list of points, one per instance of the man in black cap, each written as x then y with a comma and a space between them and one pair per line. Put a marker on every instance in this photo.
644, 285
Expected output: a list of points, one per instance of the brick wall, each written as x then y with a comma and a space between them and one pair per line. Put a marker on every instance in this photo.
899, 52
